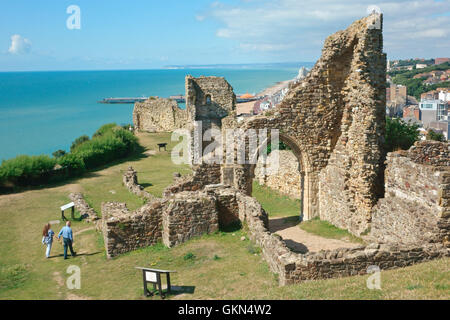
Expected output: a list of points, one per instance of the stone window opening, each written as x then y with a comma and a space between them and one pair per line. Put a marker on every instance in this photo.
208, 99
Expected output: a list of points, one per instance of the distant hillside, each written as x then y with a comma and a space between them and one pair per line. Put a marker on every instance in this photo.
416, 87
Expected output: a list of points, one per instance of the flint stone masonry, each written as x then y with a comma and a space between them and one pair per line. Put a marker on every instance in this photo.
130, 181
284, 177
83, 207
295, 267
203, 175
334, 121
124, 231
416, 206
159, 115
188, 214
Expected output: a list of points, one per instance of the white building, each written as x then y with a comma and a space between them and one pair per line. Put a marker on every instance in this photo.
421, 66
444, 95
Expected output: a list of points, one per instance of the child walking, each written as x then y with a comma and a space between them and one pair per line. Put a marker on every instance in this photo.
47, 238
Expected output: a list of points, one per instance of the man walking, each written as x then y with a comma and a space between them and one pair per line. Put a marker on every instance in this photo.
66, 233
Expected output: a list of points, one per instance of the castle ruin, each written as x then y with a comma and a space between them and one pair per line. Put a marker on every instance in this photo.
334, 122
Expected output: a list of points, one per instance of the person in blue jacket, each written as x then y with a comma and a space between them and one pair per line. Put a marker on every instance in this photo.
66, 233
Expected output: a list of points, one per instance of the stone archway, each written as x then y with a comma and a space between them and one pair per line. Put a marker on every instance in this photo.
307, 197
335, 118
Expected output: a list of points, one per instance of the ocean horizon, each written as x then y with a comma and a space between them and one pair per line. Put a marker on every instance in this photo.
43, 111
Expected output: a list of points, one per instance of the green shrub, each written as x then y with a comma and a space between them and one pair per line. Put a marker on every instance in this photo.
73, 163
78, 141
27, 170
109, 143
436, 136
58, 153
400, 135
104, 129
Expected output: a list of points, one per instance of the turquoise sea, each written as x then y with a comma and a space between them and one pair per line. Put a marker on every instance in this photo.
41, 112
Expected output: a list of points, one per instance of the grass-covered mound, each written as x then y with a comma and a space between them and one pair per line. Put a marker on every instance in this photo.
110, 142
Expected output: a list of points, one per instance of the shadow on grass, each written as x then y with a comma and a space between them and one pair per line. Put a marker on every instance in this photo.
77, 255
146, 185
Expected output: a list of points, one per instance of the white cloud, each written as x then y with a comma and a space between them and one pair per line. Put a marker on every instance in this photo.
199, 17
301, 26
19, 45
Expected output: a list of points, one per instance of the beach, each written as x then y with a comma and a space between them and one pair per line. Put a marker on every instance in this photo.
247, 107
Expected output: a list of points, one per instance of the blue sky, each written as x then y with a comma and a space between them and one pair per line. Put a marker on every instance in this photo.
142, 34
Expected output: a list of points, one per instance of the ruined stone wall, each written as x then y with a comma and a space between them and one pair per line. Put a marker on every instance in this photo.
124, 231
86, 212
187, 215
209, 98
416, 206
203, 175
130, 181
294, 267
286, 178
159, 115
334, 120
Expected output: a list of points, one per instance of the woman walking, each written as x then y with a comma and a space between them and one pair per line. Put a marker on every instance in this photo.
47, 238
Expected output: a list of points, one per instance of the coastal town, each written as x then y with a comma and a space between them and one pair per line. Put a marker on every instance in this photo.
311, 181
418, 92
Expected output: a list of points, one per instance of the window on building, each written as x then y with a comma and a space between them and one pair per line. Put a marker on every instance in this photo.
208, 99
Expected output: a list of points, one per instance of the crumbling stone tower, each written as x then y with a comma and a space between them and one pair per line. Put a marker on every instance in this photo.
334, 121
209, 100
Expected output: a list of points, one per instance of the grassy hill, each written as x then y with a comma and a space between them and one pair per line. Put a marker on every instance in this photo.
217, 266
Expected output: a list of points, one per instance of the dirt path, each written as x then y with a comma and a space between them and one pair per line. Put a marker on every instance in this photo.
301, 241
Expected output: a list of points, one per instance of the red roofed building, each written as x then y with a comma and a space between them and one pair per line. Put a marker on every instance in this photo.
441, 60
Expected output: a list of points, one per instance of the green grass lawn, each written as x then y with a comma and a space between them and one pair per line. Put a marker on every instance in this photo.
276, 204
217, 266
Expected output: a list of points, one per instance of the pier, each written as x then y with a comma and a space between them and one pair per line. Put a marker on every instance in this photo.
177, 98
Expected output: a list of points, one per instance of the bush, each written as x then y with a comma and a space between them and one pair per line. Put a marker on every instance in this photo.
73, 164
400, 135
58, 153
436, 136
109, 143
104, 129
78, 141
27, 170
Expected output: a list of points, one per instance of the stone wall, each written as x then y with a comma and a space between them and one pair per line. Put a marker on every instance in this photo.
83, 207
416, 206
334, 121
187, 215
285, 178
130, 181
124, 231
209, 98
295, 267
183, 213
159, 115
203, 175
